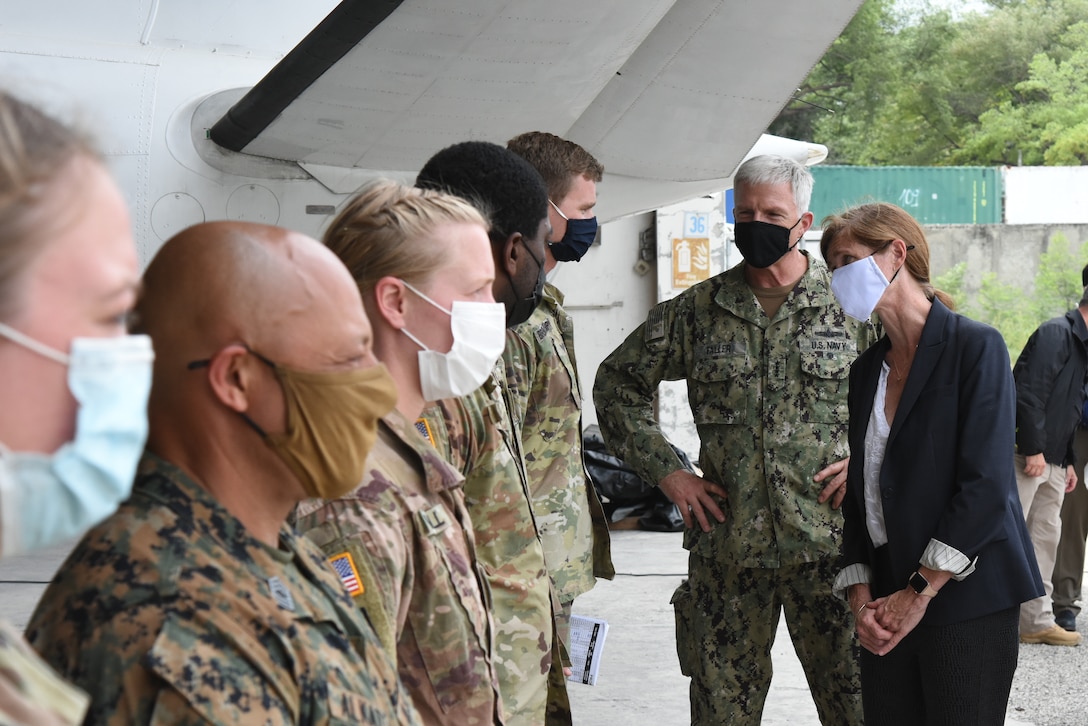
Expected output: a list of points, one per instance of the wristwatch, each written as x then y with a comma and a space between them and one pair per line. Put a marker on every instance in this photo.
920, 585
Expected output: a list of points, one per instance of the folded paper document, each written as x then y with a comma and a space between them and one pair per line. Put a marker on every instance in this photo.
587, 637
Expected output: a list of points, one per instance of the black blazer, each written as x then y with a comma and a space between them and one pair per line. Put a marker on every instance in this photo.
948, 470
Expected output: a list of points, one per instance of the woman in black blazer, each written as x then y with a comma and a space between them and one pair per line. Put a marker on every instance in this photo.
936, 558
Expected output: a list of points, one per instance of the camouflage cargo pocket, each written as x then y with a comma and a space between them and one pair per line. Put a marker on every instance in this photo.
686, 649
718, 389
824, 384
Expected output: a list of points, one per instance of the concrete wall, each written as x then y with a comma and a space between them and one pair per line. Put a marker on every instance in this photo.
1011, 251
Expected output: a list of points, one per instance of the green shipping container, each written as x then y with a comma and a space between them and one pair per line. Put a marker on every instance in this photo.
932, 194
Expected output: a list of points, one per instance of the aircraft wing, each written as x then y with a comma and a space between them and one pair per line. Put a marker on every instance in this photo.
669, 95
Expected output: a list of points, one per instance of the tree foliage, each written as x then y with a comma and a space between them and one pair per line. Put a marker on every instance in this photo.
1057, 289
1006, 86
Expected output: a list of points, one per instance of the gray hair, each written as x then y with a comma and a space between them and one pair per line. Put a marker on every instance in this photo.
770, 169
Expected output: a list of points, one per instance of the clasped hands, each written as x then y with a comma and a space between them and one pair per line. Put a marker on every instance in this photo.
884, 622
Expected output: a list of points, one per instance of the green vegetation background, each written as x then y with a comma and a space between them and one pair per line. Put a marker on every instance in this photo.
1016, 315
916, 83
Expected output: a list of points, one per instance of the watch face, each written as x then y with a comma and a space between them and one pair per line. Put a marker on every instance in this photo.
918, 582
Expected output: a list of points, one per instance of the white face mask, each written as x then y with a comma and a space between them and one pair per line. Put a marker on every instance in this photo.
858, 287
49, 498
479, 336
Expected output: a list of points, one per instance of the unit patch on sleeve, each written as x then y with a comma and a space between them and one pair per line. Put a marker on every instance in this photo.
655, 324
424, 428
345, 568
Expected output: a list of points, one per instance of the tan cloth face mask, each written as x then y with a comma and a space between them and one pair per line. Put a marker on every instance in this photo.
332, 423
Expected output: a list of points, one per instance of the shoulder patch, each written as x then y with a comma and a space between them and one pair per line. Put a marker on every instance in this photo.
655, 324
424, 428
349, 575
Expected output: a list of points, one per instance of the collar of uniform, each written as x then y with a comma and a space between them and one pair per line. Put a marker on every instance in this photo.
171, 486
553, 294
813, 290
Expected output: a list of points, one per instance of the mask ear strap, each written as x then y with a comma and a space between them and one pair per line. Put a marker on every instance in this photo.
557, 209
425, 297
909, 248
206, 363
253, 425
414, 339
26, 341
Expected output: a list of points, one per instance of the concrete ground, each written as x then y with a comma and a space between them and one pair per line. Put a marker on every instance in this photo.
640, 680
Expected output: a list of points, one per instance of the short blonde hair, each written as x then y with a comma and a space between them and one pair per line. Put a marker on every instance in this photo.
36, 152
388, 229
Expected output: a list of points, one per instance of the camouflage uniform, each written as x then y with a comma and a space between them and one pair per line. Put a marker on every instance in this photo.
768, 397
474, 432
543, 386
24, 672
403, 541
170, 612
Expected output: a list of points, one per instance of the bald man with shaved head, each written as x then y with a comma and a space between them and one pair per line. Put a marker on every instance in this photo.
194, 603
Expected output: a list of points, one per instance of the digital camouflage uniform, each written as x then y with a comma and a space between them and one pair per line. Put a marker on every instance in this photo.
170, 612
474, 432
543, 386
403, 541
23, 671
768, 396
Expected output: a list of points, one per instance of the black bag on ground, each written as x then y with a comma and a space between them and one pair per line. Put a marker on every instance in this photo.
623, 492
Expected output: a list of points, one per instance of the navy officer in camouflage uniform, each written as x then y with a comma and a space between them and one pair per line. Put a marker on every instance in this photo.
765, 350
194, 603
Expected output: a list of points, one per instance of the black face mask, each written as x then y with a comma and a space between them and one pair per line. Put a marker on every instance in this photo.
576, 241
522, 307
763, 244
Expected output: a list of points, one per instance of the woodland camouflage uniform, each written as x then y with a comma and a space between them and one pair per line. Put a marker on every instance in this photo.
768, 396
169, 612
405, 540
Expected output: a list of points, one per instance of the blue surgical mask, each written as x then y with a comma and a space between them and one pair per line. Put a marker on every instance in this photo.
49, 498
576, 240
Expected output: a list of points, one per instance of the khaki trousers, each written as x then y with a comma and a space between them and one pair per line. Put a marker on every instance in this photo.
1041, 498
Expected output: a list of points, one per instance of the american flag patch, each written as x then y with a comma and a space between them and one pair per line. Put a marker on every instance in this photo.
424, 429
345, 567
